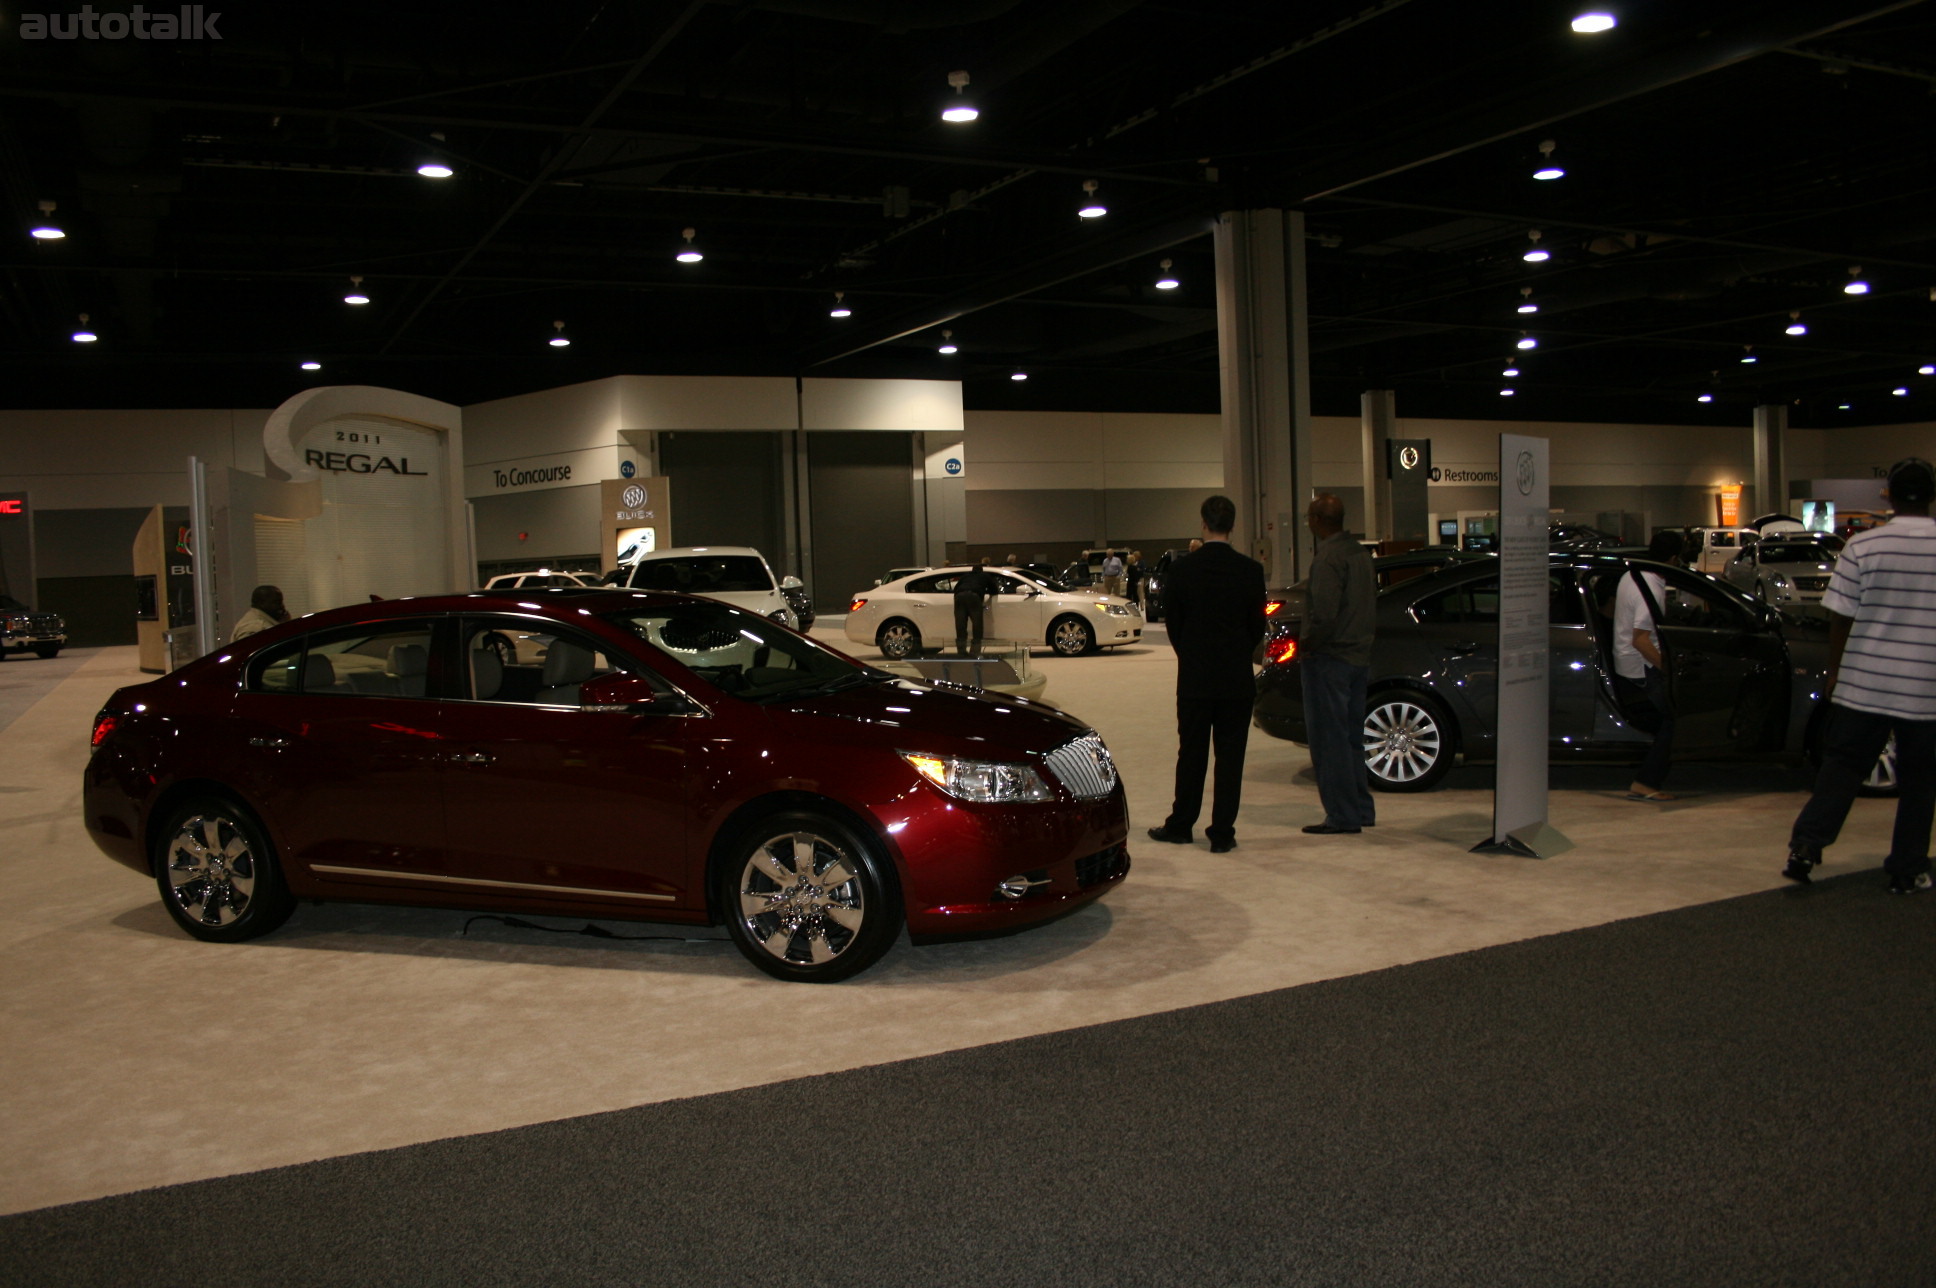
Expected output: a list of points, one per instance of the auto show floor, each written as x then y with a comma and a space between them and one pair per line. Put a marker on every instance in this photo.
136, 1057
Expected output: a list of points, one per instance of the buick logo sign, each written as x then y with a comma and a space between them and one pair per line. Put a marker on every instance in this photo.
632, 497
1408, 458
1526, 473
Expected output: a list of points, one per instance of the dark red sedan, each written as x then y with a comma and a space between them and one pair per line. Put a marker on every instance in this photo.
604, 754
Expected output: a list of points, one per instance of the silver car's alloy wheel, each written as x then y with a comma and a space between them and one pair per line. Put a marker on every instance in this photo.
211, 870
1404, 743
898, 640
801, 899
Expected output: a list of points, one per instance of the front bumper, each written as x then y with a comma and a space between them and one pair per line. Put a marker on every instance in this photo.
28, 640
955, 855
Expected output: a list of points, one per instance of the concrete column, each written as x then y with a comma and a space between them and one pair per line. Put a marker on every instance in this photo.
1263, 341
1770, 460
1377, 421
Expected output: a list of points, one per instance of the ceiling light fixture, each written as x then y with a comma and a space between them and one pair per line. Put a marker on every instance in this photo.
1795, 324
1705, 398
1594, 21
1926, 370
948, 343
1167, 282
1505, 393
1900, 391
1510, 372
47, 229
840, 309
1526, 342
1538, 254
560, 340
84, 335
1092, 207
1018, 375
1526, 304
1548, 170
1855, 285
312, 365
689, 253
1748, 354
960, 108
356, 295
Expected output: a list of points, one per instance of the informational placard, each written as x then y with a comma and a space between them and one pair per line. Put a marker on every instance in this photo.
1519, 824
637, 518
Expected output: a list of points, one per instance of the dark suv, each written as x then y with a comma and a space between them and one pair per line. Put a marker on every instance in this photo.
23, 630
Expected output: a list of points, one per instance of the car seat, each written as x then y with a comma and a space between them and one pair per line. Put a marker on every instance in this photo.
487, 674
566, 667
409, 666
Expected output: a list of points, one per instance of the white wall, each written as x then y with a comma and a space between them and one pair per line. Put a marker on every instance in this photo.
97, 460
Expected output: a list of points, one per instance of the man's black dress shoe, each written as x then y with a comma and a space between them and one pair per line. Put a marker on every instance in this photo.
1223, 847
1174, 838
1325, 829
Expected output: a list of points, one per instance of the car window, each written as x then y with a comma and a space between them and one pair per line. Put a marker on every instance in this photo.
526, 659
1015, 585
1705, 604
939, 584
383, 659
1795, 552
703, 574
1472, 602
1565, 608
742, 653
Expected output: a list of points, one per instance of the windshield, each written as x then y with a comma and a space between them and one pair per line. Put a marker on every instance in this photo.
703, 574
742, 653
1798, 551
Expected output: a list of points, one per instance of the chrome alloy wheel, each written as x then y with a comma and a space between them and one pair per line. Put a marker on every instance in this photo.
1403, 741
1882, 779
211, 870
898, 640
800, 898
1071, 637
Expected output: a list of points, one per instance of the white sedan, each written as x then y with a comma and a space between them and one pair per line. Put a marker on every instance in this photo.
905, 617
1787, 570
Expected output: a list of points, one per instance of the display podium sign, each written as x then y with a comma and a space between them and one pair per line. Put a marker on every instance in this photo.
1519, 798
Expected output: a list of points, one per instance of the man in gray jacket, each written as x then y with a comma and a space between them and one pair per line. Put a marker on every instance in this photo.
1334, 644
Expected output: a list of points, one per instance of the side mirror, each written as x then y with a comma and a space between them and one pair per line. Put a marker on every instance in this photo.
622, 691
877, 581
794, 583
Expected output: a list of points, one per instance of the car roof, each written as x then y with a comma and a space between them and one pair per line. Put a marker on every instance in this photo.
548, 599
680, 552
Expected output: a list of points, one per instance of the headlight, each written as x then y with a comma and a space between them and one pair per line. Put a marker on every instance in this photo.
1119, 610
986, 782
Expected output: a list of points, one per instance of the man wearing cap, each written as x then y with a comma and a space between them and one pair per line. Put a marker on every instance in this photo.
1882, 681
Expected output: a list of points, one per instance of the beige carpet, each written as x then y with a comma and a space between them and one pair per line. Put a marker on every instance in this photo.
137, 1057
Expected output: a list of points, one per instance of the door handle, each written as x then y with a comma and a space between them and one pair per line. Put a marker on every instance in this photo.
274, 744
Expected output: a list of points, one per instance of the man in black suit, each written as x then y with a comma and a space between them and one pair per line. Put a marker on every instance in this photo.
1213, 604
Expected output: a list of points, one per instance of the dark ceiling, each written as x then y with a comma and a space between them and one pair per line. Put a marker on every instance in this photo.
1727, 163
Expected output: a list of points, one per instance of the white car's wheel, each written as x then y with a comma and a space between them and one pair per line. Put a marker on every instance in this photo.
898, 639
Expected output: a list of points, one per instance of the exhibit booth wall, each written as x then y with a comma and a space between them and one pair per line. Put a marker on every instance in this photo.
831, 479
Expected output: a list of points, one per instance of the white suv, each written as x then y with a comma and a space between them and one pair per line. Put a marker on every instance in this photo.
737, 574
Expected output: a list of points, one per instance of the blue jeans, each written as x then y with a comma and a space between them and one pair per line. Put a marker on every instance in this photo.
1850, 746
1334, 720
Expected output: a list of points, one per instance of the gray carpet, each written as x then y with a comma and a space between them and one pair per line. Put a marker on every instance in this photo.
1738, 1093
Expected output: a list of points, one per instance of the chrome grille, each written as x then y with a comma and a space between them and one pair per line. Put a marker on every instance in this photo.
1084, 767
1811, 583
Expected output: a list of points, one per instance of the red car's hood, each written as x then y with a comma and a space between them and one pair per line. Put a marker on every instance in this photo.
942, 718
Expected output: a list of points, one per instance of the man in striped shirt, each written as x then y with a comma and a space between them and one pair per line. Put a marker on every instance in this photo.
1882, 680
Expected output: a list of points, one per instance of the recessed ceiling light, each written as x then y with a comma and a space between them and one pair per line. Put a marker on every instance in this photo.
1092, 207
960, 109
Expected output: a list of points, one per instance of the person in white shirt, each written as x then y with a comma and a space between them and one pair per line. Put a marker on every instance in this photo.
265, 610
1112, 574
1639, 673
1882, 682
